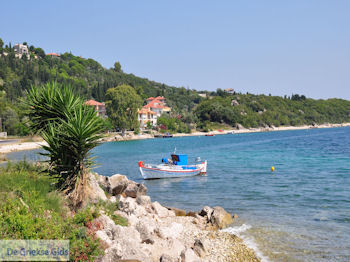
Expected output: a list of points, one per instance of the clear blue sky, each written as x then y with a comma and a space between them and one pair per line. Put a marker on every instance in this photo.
277, 47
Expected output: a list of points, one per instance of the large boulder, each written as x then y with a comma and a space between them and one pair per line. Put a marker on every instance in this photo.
239, 126
94, 192
144, 201
220, 218
133, 190
126, 245
206, 212
117, 184
161, 211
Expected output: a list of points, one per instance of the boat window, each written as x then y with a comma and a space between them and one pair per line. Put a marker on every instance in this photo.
175, 158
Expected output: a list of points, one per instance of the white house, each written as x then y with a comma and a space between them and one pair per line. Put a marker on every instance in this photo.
157, 105
149, 113
146, 115
21, 50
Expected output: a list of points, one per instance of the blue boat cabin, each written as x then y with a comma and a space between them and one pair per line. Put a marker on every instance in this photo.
179, 160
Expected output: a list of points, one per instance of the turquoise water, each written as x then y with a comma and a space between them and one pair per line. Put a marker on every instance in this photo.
300, 212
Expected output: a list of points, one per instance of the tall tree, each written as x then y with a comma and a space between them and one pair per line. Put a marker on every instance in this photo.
117, 67
122, 105
1, 44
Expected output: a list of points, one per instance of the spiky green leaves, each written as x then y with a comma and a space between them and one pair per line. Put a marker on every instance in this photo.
70, 129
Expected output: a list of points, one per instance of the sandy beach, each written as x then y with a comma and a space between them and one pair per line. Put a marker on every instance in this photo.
117, 137
19, 145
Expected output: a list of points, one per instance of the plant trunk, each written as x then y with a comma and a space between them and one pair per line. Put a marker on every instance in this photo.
79, 195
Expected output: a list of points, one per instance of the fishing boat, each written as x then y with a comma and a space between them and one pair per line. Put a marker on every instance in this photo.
170, 168
209, 134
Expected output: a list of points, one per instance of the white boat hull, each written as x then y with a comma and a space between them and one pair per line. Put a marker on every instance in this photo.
167, 171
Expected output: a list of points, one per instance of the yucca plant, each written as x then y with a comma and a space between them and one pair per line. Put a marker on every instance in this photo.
71, 130
50, 104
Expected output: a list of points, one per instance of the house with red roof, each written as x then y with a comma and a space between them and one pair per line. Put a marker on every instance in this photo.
53, 54
157, 105
159, 98
100, 108
146, 115
149, 113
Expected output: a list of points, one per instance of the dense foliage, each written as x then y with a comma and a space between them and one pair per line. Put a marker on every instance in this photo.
86, 76
172, 124
122, 105
260, 110
32, 209
89, 79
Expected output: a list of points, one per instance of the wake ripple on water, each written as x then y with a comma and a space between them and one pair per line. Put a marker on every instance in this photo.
238, 230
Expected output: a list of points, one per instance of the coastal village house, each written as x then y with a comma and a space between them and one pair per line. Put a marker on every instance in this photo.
53, 55
100, 108
149, 113
229, 91
21, 50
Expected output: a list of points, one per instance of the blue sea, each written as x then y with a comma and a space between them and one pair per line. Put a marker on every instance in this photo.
299, 212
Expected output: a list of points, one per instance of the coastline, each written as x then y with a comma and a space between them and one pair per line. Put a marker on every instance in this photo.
22, 146
158, 233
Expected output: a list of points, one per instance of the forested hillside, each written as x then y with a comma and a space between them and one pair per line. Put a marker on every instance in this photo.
261, 110
189, 109
86, 76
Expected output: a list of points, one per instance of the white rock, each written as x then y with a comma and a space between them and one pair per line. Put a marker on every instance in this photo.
125, 250
145, 231
127, 233
95, 192
129, 206
117, 184
167, 258
171, 213
160, 210
206, 212
133, 220
175, 247
172, 231
144, 201
188, 255
101, 234
109, 227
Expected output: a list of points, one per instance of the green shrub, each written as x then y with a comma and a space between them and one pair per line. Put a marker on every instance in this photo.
31, 209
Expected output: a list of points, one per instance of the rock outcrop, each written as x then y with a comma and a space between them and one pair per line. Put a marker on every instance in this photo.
157, 233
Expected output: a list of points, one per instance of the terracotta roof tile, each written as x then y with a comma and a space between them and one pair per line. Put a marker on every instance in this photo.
93, 103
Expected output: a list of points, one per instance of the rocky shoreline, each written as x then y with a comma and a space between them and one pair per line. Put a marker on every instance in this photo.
158, 233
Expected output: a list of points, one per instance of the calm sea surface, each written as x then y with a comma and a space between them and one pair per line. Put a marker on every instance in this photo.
300, 212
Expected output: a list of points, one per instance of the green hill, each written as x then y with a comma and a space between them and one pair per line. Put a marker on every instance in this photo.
91, 80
